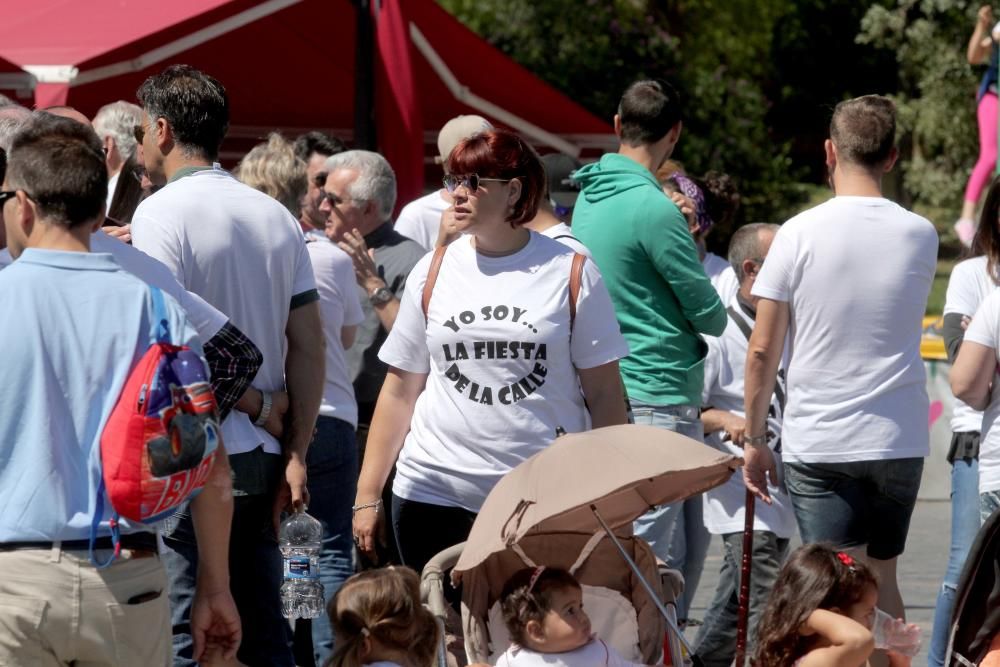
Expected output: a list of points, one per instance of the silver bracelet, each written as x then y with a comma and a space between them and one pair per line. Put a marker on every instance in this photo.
265, 408
754, 440
363, 506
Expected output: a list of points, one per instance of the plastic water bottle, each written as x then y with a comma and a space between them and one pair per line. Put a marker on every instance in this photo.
302, 592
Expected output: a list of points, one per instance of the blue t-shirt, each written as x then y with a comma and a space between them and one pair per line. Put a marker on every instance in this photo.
74, 325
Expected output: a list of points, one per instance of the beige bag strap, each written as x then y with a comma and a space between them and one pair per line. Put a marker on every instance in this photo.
575, 279
432, 276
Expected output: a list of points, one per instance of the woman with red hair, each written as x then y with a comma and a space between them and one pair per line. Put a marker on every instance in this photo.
487, 362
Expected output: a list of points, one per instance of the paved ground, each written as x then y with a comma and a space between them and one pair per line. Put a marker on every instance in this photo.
921, 568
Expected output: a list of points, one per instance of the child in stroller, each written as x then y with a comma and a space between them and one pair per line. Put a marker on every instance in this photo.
543, 611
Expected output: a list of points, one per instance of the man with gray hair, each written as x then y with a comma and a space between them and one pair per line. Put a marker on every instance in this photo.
115, 125
12, 119
725, 425
358, 198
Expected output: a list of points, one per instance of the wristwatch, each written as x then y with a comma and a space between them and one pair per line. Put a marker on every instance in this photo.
381, 296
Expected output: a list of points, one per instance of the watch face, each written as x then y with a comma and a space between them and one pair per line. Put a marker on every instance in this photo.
381, 295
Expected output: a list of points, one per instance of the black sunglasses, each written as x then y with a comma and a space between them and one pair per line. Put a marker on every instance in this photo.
5, 195
470, 181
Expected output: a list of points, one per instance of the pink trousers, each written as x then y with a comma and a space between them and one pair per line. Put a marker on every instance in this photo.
986, 113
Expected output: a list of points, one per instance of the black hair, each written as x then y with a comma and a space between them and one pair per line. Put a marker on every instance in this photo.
317, 142
523, 600
647, 111
195, 105
59, 164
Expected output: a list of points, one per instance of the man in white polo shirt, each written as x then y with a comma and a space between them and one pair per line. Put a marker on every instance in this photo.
848, 280
243, 252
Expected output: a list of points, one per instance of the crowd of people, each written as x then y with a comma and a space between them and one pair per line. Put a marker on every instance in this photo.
385, 374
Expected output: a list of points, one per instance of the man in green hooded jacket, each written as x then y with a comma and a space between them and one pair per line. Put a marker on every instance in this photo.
664, 300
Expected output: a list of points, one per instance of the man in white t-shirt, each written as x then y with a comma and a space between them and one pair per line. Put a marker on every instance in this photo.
848, 280
723, 419
420, 220
243, 252
314, 148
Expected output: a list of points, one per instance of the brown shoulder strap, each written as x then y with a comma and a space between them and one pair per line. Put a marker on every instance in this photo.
575, 279
432, 276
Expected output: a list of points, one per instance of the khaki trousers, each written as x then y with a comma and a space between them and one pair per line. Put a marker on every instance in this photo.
58, 609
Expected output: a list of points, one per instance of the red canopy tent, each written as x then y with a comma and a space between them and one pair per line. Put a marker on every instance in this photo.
14, 81
290, 65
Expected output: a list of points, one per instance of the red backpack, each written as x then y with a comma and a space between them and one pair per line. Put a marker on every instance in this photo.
160, 441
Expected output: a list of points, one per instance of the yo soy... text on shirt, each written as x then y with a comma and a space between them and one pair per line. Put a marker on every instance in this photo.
532, 355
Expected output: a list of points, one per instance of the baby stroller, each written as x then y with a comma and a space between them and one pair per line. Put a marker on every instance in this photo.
975, 620
572, 506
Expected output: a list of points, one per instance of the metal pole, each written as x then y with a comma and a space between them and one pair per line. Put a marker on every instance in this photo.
743, 617
364, 78
645, 584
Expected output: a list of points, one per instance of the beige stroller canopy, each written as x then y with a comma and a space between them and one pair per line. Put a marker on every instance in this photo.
619, 471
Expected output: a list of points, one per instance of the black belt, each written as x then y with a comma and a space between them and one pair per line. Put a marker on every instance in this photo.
133, 542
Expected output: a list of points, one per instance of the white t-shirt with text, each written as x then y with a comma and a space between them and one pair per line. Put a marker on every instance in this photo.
245, 254
724, 505
985, 330
420, 220
856, 273
339, 306
968, 287
500, 362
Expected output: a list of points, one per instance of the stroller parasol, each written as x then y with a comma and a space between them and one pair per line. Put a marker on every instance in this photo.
600, 480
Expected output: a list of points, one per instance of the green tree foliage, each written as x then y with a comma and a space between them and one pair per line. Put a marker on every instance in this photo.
716, 50
936, 96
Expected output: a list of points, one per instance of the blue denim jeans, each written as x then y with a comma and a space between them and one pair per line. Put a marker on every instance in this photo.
332, 466
716, 640
855, 503
676, 532
964, 526
989, 502
254, 574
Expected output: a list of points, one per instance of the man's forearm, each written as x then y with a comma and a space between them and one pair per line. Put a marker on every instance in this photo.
212, 513
758, 388
713, 419
387, 313
304, 377
764, 352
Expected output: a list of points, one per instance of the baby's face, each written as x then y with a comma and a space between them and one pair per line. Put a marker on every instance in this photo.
566, 626
863, 611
